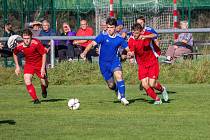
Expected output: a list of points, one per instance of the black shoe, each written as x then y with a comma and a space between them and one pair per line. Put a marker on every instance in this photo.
37, 101
44, 94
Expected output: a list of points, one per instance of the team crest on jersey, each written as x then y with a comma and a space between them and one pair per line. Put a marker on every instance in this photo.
107, 40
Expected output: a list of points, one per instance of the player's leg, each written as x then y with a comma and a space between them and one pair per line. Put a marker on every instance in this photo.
30, 87
153, 76
150, 91
120, 84
112, 85
43, 81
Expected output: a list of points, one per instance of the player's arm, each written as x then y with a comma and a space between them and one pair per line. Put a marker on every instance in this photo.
87, 49
43, 70
152, 35
17, 67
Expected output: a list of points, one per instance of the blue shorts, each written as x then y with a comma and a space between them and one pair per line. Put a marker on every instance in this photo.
108, 68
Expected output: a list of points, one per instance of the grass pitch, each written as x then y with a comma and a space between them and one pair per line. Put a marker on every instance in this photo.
102, 117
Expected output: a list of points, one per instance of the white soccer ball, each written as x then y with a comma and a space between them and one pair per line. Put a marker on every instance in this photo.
73, 104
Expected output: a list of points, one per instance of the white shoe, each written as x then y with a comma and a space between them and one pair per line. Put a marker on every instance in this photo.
165, 94
158, 102
124, 101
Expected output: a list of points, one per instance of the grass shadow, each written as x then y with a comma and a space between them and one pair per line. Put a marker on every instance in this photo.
10, 122
53, 100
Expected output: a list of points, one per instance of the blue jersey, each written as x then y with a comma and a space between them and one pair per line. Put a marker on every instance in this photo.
151, 30
109, 46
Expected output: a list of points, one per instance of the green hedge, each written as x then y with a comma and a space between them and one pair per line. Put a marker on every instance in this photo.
81, 73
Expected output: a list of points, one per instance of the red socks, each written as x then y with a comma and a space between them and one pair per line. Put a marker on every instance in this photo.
158, 87
43, 88
152, 94
31, 91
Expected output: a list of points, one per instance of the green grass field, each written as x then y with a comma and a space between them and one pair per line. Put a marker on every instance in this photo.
101, 116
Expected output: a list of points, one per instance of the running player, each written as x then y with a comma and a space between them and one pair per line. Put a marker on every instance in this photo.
109, 63
35, 60
148, 66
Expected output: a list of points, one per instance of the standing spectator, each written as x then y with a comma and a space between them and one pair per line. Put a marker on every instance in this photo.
103, 27
181, 46
120, 29
35, 59
47, 31
8, 30
85, 30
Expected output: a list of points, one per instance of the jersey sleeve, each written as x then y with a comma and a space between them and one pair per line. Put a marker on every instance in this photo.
123, 44
131, 44
41, 49
99, 38
151, 30
17, 50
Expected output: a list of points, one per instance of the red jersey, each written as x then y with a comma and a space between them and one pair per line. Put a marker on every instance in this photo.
143, 51
33, 53
87, 32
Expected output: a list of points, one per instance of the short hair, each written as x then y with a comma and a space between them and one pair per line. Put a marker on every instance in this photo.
8, 24
136, 27
111, 21
45, 21
27, 32
141, 18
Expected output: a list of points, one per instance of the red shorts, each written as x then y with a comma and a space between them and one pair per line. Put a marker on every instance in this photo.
28, 69
148, 71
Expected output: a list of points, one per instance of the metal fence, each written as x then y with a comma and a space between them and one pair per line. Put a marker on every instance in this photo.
160, 31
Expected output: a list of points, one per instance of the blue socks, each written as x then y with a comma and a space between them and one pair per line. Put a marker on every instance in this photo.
121, 88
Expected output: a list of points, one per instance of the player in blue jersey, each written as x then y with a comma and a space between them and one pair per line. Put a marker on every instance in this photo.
109, 62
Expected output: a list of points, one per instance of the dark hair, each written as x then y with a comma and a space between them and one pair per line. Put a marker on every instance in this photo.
136, 27
7, 24
141, 18
27, 32
111, 21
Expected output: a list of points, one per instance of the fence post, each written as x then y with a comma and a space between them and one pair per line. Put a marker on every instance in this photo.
52, 53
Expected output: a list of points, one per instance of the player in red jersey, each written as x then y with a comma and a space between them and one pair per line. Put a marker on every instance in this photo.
148, 66
35, 60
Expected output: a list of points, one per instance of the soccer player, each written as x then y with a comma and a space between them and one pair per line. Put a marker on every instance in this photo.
35, 60
109, 63
148, 66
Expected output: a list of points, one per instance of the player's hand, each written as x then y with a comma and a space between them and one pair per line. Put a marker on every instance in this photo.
130, 55
17, 71
131, 61
97, 51
43, 72
83, 56
142, 37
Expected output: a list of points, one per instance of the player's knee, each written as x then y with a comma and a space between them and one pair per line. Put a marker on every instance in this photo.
145, 85
152, 85
118, 75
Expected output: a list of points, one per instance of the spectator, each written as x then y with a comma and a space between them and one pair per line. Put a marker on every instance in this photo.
47, 31
66, 48
85, 30
8, 30
181, 46
36, 28
103, 27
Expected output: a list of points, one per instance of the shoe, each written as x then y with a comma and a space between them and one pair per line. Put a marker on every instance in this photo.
124, 101
165, 94
167, 61
158, 102
44, 93
36, 101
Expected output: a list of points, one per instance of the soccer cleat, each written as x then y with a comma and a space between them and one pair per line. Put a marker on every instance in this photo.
124, 101
158, 102
167, 61
44, 93
165, 94
36, 101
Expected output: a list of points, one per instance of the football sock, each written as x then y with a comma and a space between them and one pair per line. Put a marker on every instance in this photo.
159, 87
150, 91
31, 91
121, 88
44, 88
